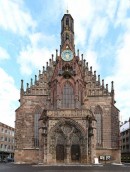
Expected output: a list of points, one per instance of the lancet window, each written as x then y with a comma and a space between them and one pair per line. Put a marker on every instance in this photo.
36, 130
54, 98
68, 96
98, 116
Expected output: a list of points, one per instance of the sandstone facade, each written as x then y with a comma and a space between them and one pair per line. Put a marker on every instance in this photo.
67, 115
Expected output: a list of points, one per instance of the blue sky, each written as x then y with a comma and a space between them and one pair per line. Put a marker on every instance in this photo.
30, 33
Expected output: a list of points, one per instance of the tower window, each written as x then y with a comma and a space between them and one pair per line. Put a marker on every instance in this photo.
67, 36
68, 96
67, 21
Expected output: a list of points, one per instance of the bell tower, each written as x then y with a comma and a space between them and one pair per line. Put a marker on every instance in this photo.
67, 32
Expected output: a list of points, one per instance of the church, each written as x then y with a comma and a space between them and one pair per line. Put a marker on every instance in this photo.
67, 115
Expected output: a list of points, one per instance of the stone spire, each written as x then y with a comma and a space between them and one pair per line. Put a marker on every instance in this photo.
22, 88
67, 31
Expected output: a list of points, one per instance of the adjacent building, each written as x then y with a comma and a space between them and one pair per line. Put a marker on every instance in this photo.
6, 141
125, 141
67, 115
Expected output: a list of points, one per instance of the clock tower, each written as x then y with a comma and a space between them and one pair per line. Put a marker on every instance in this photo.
67, 73
67, 33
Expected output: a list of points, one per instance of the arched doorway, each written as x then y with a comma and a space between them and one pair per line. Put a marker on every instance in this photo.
67, 142
75, 147
60, 153
75, 153
60, 146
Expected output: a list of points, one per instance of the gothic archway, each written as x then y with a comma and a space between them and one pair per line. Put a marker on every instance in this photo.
67, 141
60, 147
75, 152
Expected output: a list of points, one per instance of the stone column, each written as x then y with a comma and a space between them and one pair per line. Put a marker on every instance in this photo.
76, 102
68, 149
44, 128
41, 146
68, 154
45, 151
59, 103
92, 139
87, 144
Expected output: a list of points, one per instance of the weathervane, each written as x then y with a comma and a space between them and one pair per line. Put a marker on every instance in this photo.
67, 9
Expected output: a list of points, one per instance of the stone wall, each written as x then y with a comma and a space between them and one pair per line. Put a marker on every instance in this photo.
29, 156
114, 153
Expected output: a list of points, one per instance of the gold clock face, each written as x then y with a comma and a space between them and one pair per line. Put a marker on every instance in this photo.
67, 55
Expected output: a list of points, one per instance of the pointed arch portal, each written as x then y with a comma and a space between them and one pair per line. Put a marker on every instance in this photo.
67, 141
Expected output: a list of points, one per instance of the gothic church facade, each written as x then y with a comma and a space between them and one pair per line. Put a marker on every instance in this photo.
67, 115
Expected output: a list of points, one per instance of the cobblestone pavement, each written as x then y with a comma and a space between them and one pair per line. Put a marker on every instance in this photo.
10, 167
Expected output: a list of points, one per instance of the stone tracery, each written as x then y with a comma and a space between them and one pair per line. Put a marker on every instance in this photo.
66, 133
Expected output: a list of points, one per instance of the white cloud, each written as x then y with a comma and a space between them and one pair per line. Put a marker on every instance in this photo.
13, 17
92, 60
83, 15
9, 96
121, 76
4, 54
33, 58
122, 11
123, 58
35, 54
92, 19
111, 9
98, 30
38, 39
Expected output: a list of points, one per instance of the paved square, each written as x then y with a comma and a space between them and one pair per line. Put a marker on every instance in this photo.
10, 167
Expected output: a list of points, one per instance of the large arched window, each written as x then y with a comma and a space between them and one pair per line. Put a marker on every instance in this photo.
36, 130
68, 96
98, 116
36, 126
